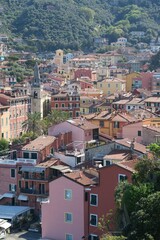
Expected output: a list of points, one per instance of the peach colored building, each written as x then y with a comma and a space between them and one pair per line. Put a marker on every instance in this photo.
20, 105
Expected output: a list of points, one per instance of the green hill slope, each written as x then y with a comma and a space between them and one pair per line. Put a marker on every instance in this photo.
51, 24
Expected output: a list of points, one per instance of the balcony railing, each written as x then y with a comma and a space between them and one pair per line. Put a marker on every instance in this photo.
37, 178
24, 160
34, 192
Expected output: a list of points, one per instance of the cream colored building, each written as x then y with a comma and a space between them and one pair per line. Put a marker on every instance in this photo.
111, 85
4, 122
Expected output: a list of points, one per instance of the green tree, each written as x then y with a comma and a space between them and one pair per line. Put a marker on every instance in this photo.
32, 124
145, 219
155, 62
136, 202
155, 149
4, 144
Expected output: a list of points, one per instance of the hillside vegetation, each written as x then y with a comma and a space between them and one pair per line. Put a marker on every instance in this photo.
72, 24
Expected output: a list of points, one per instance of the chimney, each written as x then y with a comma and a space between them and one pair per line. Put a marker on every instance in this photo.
132, 144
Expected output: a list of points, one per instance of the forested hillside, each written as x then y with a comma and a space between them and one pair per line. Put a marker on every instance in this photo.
51, 24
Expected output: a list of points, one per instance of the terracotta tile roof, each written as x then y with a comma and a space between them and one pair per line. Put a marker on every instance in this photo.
119, 118
127, 143
48, 163
86, 125
129, 165
39, 143
123, 101
156, 129
153, 99
117, 155
135, 101
83, 177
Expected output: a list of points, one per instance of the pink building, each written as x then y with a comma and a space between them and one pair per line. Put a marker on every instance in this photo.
79, 199
81, 129
146, 78
64, 216
133, 130
8, 181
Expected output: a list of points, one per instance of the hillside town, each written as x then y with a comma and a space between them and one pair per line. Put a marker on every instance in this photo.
71, 131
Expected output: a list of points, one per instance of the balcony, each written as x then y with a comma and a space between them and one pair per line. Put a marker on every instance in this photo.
34, 192
24, 160
37, 178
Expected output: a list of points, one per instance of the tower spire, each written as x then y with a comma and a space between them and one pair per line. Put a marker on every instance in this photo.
37, 79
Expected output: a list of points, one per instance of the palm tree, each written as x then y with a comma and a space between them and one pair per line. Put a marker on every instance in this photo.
32, 124
57, 116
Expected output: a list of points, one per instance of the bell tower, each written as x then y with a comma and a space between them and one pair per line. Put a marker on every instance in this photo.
36, 92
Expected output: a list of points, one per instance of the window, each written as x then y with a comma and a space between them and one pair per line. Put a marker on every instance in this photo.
94, 199
2, 135
108, 85
93, 237
71, 114
12, 187
62, 105
26, 185
25, 155
93, 220
52, 151
116, 124
6, 121
68, 217
19, 184
57, 105
13, 173
69, 237
139, 133
78, 160
122, 177
129, 107
101, 123
68, 194
33, 155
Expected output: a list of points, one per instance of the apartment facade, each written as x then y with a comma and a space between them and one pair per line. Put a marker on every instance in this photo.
66, 102
111, 86
19, 104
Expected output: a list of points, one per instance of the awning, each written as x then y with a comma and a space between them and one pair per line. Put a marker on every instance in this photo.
5, 225
42, 200
91, 141
62, 168
7, 195
22, 197
32, 169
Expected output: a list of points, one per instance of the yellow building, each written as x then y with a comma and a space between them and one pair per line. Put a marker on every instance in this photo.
4, 122
111, 122
129, 80
58, 59
111, 85
152, 122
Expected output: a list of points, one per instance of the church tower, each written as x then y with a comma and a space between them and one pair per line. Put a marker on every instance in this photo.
37, 92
